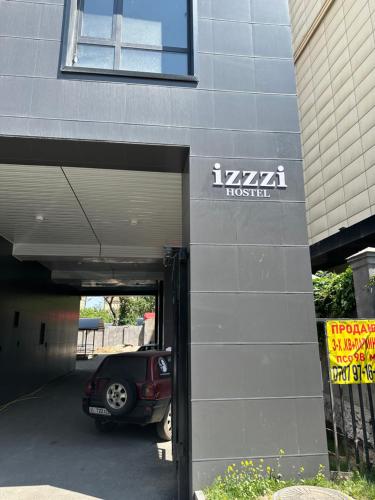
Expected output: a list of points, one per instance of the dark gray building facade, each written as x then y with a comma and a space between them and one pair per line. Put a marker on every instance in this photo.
228, 122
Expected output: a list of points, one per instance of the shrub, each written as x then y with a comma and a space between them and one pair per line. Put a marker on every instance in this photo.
132, 308
334, 294
94, 312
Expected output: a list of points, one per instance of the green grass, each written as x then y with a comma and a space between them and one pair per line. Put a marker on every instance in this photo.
249, 481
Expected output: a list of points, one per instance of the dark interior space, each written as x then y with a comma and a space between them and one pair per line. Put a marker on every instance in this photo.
67, 232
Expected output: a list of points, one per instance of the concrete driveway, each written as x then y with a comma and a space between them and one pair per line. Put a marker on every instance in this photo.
50, 450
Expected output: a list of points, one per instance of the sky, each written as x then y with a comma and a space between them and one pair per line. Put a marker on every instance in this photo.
95, 302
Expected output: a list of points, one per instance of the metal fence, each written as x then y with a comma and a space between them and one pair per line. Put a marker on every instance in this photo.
350, 417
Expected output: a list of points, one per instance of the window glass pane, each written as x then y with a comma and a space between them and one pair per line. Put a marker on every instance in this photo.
132, 368
141, 60
97, 18
155, 22
175, 63
154, 61
95, 56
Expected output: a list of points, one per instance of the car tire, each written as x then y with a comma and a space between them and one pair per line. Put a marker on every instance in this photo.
119, 397
164, 428
104, 426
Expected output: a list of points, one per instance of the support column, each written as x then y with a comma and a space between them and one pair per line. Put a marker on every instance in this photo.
168, 327
363, 265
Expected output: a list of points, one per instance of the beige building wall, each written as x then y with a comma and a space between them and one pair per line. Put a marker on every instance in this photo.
334, 44
303, 14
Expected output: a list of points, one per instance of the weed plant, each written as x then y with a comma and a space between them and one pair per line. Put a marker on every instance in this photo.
251, 480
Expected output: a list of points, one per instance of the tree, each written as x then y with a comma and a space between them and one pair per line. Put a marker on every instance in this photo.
109, 301
132, 308
94, 312
334, 294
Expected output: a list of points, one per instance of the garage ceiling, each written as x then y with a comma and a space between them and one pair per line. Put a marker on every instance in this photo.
90, 222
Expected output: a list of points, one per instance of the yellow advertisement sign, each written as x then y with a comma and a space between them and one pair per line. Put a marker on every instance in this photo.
351, 346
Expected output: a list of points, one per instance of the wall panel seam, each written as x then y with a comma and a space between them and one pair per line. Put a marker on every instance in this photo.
245, 56
35, 2
226, 157
36, 38
258, 292
258, 245
238, 21
255, 398
256, 457
159, 125
248, 201
120, 80
253, 343
131, 84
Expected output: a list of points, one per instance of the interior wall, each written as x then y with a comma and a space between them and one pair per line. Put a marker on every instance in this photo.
27, 360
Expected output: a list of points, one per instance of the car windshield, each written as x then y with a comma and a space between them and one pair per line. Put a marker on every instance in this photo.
130, 368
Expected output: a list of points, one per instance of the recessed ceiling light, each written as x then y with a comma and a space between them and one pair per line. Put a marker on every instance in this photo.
134, 222
39, 218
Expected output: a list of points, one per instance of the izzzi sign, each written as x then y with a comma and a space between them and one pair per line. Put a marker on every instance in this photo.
249, 183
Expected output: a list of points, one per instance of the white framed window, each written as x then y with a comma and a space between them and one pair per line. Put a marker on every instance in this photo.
150, 37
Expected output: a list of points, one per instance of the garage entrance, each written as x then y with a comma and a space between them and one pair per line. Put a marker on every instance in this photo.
50, 449
68, 231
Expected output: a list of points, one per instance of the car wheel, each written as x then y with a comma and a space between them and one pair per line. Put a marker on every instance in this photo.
119, 397
104, 425
164, 428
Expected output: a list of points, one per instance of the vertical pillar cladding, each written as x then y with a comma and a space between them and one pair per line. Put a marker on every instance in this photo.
255, 373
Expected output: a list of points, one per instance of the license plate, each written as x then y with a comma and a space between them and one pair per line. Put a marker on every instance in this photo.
98, 411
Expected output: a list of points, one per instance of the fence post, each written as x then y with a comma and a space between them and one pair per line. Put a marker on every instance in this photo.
364, 427
354, 425
334, 423
346, 447
371, 401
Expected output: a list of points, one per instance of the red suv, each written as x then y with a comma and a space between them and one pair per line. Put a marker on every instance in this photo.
132, 387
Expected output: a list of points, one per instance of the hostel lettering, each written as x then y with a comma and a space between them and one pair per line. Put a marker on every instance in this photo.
249, 183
